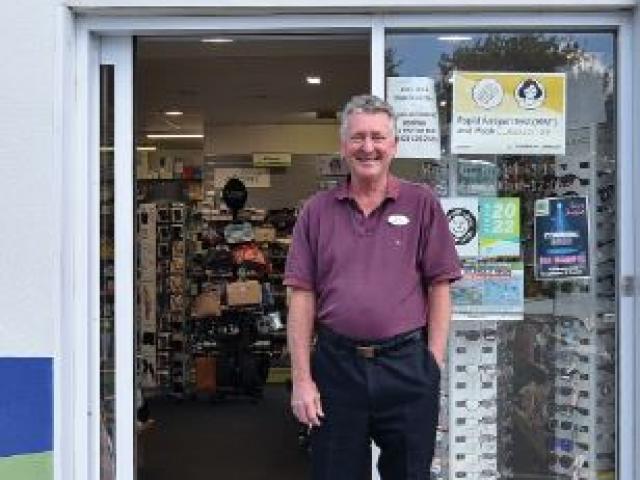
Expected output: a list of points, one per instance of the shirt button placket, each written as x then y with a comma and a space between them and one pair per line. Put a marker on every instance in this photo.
361, 222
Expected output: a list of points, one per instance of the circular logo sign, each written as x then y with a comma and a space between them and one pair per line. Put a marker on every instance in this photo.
462, 225
487, 93
530, 94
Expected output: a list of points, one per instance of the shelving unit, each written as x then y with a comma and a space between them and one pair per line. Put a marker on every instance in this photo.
239, 337
176, 240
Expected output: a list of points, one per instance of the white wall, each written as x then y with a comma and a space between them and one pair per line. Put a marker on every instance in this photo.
29, 181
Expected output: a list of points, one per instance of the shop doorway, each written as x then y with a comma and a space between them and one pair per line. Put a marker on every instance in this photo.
212, 368
566, 348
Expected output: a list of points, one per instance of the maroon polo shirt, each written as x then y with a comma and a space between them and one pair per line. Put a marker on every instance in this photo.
370, 274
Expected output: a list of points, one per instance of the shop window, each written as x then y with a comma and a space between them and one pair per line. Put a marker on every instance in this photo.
515, 132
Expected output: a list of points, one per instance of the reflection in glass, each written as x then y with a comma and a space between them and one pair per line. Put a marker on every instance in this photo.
529, 394
107, 302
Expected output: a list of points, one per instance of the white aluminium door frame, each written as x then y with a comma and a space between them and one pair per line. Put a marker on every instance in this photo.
108, 41
84, 179
118, 51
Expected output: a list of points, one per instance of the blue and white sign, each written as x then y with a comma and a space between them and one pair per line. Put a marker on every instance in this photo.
562, 238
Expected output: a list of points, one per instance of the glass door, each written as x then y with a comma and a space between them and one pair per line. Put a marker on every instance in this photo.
516, 131
114, 347
547, 362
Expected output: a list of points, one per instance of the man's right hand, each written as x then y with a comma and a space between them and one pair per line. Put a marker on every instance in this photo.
306, 404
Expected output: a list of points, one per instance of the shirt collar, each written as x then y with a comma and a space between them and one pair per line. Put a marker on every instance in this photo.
393, 189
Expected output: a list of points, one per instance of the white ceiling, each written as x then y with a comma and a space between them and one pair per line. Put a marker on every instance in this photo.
257, 79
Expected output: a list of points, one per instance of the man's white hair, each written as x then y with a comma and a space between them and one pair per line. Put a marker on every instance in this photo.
367, 104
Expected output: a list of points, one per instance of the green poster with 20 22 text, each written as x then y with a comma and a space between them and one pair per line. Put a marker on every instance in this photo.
499, 226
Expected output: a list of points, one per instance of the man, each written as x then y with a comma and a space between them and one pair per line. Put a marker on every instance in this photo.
370, 266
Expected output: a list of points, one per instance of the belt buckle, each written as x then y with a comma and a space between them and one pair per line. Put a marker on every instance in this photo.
366, 351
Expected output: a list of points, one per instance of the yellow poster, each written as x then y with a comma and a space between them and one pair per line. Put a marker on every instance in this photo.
508, 113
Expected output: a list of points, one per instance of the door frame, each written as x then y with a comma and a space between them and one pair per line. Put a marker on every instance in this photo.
109, 39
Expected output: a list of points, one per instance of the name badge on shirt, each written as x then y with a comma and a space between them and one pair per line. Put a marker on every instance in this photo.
398, 220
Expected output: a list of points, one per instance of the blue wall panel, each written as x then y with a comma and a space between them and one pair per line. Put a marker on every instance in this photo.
26, 406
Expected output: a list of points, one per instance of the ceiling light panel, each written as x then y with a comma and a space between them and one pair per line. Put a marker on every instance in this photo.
218, 40
175, 135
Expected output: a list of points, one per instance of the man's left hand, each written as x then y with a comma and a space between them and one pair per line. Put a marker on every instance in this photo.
439, 358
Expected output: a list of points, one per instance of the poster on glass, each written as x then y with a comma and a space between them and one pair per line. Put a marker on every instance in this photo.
562, 238
462, 214
414, 102
508, 113
495, 289
499, 227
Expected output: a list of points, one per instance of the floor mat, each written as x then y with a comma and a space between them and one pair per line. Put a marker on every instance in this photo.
229, 439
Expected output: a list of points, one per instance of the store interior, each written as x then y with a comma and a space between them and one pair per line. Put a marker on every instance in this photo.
529, 388
212, 363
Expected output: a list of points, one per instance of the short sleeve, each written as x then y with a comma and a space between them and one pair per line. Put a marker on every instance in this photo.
300, 267
439, 260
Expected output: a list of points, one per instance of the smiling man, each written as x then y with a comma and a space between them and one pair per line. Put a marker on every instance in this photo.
370, 269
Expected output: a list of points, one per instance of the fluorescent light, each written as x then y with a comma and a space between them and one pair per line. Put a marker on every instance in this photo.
217, 40
175, 135
174, 113
455, 38
314, 80
149, 148
478, 162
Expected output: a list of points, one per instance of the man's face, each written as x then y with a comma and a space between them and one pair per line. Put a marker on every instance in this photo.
368, 145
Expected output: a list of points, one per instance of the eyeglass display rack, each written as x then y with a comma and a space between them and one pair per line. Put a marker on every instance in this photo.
162, 364
475, 427
559, 405
147, 216
582, 398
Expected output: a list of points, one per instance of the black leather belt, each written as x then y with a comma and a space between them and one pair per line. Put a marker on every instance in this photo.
371, 348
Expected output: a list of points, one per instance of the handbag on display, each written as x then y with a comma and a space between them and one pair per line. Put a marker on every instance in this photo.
206, 304
206, 374
220, 260
283, 220
264, 233
248, 253
238, 232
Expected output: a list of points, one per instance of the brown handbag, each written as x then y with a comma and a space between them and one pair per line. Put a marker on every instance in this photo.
206, 374
207, 304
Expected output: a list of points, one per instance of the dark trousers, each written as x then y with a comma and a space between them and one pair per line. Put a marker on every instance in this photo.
388, 394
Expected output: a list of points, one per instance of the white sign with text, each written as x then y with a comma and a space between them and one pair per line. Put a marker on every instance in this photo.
251, 177
417, 128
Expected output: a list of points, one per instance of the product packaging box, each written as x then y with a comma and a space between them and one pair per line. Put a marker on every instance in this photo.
178, 168
166, 167
244, 293
264, 234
